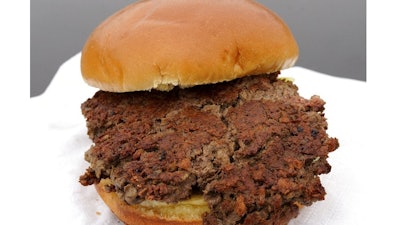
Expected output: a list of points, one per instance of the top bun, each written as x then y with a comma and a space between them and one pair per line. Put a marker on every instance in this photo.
159, 44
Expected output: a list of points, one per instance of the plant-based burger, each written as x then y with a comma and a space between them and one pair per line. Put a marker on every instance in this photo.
192, 123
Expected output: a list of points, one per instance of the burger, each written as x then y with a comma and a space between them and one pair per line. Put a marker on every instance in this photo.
192, 122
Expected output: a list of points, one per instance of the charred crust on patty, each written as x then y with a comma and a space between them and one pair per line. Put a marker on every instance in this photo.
253, 147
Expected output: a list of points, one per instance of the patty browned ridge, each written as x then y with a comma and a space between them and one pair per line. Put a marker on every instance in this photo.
252, 146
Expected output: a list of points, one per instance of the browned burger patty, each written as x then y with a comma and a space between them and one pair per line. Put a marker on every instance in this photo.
252, 146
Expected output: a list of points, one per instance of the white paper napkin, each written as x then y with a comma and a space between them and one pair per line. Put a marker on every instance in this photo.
59, 140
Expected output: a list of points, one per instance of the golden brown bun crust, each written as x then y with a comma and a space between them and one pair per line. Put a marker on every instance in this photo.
132, 215
165, 43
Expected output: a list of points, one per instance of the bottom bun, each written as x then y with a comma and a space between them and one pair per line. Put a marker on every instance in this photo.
187, 212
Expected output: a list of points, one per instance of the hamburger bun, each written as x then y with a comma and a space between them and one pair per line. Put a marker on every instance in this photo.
188, 212
167, 43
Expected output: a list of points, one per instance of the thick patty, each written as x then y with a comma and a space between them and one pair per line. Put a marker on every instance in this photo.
252, 146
